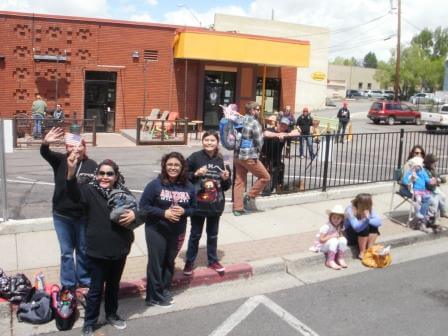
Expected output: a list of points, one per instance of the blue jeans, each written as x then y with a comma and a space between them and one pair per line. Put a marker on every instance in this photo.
197, 224
71, 234
37, 129
309, 142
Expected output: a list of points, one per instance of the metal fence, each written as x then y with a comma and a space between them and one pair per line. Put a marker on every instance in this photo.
366, 158
23, 127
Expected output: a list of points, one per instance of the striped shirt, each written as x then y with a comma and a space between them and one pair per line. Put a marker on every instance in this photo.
251, 131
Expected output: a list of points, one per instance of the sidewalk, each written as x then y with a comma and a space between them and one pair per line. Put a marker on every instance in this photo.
248, 245
273, 241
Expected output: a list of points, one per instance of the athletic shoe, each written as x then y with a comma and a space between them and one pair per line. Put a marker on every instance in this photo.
87, 331
238, 213
160, 303
116, 321
168, 296
217, 267
188, 268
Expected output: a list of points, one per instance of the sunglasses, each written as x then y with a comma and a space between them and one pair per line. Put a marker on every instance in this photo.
108, 173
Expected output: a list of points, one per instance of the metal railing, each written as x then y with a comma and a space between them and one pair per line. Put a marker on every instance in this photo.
367, 158
23, 128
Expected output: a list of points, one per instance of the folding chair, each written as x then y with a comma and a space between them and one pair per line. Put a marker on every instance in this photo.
148, 122
405, 199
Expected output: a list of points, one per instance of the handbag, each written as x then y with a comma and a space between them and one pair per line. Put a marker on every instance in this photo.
377, 256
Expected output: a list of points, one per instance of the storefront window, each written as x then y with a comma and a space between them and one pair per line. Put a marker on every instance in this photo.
272, 95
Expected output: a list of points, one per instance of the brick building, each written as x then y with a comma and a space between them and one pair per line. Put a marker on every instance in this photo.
119, 70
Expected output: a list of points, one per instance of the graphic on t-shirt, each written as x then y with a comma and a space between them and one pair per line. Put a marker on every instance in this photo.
208, 192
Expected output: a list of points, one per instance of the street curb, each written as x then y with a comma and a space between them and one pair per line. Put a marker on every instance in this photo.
200, 277
5, 318
207, 277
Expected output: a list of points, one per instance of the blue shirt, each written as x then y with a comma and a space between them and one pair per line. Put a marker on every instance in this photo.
360, 224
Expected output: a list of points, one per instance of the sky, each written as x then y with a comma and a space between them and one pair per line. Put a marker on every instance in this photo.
356, 27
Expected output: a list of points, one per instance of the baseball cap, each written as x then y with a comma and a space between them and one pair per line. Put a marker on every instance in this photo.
285, 121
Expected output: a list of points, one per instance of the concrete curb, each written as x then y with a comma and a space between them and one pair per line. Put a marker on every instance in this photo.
5, 318
205, 276
264, 203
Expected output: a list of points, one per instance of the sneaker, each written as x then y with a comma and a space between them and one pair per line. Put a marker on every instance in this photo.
87, 331
238, 213
188, 268
116, 321
249, 205
160, 303
246, 202
168, 296
217, 267
302, 157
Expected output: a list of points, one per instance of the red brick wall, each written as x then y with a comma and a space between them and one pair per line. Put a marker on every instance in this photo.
108, 46
88, 44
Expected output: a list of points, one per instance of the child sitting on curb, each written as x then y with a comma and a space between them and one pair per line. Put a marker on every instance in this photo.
330, 240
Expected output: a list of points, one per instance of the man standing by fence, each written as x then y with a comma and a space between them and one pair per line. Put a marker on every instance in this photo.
247, 160
38, 110
305, 125
344, 119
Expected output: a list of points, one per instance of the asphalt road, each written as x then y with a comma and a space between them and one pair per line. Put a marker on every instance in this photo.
408, 298
30, 178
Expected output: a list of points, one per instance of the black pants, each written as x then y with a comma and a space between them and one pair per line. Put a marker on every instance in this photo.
197, 225
104, 271
162, 251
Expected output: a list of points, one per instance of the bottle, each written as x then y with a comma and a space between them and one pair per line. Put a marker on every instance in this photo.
39, 281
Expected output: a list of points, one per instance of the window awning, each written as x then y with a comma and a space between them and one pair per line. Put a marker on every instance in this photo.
240, 48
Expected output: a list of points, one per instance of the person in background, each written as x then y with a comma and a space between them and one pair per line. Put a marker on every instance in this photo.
288, 113
38, 110
211, 178
247, 160
58, 115
344, 118
361, 223
416, 150
438, 199
69, 218
107, 243
305, 126
271, 153
166, 203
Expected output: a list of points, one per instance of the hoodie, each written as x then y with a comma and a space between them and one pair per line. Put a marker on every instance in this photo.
159, 196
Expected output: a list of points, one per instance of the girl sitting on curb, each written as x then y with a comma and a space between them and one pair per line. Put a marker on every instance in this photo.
330, 240
361, 223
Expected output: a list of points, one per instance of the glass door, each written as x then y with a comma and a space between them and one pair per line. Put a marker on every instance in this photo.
219, 89
99, 99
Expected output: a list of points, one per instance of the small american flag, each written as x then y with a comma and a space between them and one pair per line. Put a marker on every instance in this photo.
72, 139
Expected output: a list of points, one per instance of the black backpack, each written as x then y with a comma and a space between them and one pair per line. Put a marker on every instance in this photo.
14, 288
36, 308
65, 307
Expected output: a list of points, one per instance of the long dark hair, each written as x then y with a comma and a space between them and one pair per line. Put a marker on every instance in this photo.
183, 176
119, 183
216, 135
411, 152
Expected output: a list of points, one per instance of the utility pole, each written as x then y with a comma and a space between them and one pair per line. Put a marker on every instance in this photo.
397, 66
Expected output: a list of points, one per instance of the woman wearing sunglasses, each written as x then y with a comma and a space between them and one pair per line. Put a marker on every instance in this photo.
211, 178
166, 203
107, 243
416, 151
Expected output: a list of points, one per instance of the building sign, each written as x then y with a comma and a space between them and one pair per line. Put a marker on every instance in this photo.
318, 75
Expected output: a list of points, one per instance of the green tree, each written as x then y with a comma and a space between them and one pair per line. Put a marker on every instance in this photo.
370, 60
339, 60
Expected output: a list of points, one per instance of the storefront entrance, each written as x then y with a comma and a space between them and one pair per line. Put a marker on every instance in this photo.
219, 89
99, 99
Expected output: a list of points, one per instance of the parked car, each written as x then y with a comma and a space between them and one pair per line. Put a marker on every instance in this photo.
353, 94
391, 112
388, 94
434, 120
426, 98
375, 94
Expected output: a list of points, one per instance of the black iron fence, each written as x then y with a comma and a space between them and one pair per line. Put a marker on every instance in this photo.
362, 158
23, 129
